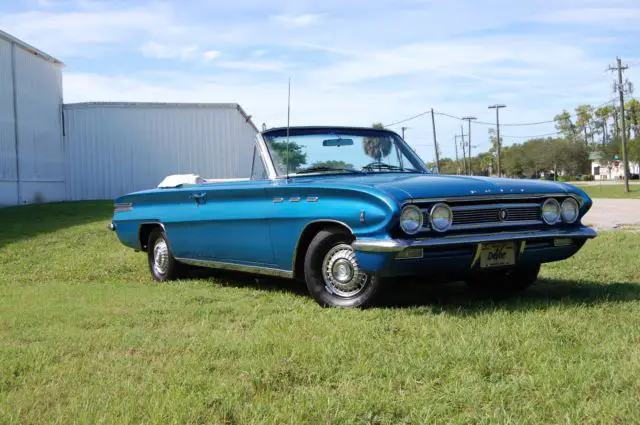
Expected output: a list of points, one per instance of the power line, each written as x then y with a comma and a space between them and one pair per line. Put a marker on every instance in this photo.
408, 119
519, 124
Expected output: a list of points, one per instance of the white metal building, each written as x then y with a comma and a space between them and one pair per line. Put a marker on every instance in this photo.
50, 152
31, 150
116, 148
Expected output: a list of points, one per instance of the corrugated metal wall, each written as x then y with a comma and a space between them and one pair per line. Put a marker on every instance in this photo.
31, 96
116, 148
39, 112
8, 177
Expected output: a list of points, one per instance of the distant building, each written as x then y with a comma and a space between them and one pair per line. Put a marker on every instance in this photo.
50, 151
31, 150
612, 170
115, 148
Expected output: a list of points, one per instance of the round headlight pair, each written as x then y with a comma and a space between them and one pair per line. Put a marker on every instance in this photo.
553, 212
412, 220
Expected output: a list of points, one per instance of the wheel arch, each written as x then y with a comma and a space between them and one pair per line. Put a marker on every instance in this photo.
306, 236
144, 231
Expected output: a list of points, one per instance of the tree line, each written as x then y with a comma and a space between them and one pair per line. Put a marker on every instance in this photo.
588, 131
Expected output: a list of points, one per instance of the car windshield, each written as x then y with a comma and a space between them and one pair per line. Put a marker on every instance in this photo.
323, 151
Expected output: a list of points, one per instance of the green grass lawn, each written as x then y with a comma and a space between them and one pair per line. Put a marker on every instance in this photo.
86, 337
612, 191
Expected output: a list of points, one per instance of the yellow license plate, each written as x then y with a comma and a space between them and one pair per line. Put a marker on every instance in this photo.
497, 255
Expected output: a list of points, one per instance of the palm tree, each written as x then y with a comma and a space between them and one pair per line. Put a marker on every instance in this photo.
376, 147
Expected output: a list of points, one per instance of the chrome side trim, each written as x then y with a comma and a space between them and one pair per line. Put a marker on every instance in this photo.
122, 207
312, 199
267, 271
473, 198
395, 245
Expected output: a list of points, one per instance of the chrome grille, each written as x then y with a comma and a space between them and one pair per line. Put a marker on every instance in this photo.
467, 217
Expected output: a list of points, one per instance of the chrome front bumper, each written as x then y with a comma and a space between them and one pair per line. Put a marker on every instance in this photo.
396, 245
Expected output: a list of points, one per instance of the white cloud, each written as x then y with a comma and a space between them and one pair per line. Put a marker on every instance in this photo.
303, 20
155, 50
603, 16
372, 61
211, 55
255, 65
78, 32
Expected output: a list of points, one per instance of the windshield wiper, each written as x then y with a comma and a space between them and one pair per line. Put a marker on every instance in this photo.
322, 168
383, 166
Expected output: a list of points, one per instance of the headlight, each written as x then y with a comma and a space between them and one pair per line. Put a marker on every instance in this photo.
411, 220
551, 211
441, 217
570, 210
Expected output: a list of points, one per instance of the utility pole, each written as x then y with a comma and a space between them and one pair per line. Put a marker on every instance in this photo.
469, 119
435, 140
625, 160
403, 129
497, 108
464, 151
455, 144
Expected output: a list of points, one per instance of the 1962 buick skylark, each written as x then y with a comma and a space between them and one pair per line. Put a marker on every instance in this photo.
346, 210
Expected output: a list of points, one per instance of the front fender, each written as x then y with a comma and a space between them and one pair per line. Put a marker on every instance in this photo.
366, 212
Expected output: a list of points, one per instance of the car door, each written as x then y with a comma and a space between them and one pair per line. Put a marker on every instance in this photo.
225, 221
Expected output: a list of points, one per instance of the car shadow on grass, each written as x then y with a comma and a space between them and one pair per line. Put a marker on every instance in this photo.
28, 221
455, 297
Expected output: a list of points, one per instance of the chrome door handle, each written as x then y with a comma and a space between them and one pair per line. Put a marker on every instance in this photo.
199, 197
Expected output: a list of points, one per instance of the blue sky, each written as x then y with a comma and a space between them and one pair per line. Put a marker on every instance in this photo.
351, 62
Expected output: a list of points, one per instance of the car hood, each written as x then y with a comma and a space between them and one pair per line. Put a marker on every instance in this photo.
403, 187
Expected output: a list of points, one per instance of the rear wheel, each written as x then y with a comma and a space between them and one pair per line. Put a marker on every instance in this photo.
162, 264
504, 282
332, 273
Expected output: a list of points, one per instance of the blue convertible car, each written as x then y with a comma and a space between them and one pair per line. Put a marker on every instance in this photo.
346, 210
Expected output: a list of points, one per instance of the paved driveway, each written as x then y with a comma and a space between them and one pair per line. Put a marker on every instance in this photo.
607, 214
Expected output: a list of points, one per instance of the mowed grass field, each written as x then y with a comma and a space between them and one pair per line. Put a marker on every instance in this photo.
87, 338
612, 191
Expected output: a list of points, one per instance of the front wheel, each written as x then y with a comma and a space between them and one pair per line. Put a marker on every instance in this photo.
332, 273
504, 282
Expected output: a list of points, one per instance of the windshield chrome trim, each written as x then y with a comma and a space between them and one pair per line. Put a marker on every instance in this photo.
266, 157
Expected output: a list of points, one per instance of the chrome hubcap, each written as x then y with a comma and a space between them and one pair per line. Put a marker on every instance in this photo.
161, 257
341, 273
